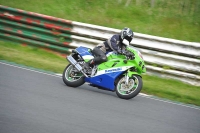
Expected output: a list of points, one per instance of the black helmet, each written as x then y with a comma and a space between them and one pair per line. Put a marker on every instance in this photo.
126, 35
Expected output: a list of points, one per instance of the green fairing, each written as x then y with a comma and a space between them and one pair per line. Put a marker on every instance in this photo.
118, 61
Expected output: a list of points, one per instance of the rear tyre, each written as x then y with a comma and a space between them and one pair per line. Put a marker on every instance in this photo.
131, 90
72, 77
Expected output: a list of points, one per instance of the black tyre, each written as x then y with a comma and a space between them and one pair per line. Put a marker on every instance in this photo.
131, 90
71, 77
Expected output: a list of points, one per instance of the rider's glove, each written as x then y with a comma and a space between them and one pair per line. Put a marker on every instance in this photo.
130, 55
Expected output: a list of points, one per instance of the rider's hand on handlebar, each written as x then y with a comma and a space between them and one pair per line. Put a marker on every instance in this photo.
126, 53
130, 55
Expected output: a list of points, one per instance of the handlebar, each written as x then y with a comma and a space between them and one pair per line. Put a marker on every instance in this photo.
128, 54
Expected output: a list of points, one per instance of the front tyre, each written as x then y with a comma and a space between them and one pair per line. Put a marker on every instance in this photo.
130, 90
72, 77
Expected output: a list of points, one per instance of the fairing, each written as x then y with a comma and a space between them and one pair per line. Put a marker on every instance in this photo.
109, 71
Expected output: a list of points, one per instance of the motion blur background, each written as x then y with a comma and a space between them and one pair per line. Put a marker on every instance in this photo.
177, 19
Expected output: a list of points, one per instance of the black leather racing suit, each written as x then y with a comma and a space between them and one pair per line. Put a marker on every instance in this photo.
112, 44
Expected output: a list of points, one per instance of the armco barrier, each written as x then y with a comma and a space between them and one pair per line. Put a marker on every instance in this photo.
36, 29
164, 57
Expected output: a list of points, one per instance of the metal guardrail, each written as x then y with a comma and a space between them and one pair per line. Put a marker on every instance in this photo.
35, 29
164, 57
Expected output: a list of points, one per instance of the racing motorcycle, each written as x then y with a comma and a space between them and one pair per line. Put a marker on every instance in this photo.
121, 73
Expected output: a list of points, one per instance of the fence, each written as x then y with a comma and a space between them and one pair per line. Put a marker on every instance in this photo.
164, 57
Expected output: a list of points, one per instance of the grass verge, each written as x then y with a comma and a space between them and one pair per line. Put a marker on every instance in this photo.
38, 58
32, 56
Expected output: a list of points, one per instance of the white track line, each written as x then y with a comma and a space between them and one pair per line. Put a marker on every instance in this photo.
171, 102
54, 75
141, 94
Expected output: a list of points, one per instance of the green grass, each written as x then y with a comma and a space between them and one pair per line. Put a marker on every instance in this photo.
171, 89
168, 18
38, 58
31, 56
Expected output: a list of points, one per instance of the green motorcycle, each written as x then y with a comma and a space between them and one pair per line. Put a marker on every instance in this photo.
121, 73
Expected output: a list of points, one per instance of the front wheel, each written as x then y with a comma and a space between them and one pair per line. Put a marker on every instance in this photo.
130, 90
72, 77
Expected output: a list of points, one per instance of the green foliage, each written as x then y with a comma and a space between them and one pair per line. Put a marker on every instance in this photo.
167, 18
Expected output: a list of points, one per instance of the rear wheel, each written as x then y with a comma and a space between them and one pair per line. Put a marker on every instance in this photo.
72, 77
130, 90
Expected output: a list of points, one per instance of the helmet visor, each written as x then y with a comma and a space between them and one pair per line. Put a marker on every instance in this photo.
128, 38
125, 42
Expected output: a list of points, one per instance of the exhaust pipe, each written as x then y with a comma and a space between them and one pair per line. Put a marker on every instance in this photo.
76, 64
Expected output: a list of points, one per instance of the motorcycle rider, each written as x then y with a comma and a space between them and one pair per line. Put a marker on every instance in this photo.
117, 43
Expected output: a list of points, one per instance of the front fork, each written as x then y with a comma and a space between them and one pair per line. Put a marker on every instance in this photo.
128, 75
126, 78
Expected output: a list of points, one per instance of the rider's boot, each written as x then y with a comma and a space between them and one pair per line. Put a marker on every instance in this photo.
88, 64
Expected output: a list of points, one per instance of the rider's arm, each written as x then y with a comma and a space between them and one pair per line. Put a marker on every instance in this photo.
114, 44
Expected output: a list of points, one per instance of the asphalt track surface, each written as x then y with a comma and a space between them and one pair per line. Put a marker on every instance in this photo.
37, 102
